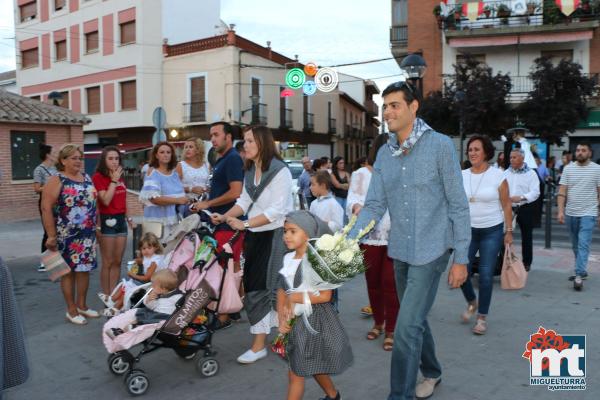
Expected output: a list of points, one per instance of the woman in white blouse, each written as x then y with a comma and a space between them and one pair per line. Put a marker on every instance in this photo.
193, 170
381, 285
490, 210
266, 199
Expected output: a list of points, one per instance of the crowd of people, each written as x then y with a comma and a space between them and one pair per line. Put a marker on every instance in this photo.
430, 215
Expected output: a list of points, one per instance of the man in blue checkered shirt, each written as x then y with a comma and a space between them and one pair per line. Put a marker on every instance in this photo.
417, 178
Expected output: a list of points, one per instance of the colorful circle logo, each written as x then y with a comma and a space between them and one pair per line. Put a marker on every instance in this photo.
295, 78
326, 79
310, 69
309, 88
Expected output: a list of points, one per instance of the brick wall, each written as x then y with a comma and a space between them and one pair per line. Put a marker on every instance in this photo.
424, 36
134, 207
18, 201
595, 52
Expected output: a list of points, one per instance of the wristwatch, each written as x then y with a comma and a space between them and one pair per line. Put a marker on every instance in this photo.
523, 198
246, 225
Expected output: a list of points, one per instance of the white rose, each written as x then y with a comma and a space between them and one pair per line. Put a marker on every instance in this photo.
346, 256
326, 243
355, 248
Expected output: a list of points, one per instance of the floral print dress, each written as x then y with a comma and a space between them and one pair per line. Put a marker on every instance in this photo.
75, 215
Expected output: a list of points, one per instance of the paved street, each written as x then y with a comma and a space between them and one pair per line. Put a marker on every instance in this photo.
69, 362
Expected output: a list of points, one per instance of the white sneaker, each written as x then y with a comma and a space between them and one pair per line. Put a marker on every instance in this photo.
250, 357
424, 390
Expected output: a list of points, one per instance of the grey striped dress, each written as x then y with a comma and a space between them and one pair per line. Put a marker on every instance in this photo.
327, 352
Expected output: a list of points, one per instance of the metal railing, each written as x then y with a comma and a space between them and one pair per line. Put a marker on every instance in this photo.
498, 14
332, 126
194, 112
309, 121
399, 35
371, 107
286, 118
259, 114
133, 180
347, 131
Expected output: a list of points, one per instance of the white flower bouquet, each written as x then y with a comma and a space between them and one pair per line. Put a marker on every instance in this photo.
337, 258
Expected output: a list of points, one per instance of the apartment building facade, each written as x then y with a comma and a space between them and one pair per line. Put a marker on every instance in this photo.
230, 78
105, 56
507, 35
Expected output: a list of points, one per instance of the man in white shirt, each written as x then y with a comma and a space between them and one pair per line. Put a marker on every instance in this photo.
524, 189
580, 185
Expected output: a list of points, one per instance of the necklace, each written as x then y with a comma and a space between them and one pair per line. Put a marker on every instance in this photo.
472, 198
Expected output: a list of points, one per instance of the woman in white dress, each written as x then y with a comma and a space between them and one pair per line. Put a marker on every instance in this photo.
193, 171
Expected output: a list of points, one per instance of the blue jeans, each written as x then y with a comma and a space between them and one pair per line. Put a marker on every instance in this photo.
342, 202
581, 229
488, 242
414, 347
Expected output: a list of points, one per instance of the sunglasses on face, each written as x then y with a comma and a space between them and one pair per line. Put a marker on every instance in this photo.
401, 84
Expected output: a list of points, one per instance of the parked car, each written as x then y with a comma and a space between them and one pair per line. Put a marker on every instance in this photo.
296, 169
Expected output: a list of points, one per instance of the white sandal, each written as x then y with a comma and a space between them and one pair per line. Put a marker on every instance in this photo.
106, 299
470, 311
480, 327
77, 320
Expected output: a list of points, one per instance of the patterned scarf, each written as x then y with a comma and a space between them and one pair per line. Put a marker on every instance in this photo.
253, 190
521, 170
419, 128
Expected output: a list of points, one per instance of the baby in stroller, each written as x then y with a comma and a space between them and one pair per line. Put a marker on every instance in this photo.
160, 303
139, 274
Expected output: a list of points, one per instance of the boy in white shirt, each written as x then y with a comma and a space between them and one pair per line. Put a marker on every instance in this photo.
325, 206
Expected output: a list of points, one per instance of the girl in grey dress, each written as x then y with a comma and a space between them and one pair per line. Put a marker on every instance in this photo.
326, 352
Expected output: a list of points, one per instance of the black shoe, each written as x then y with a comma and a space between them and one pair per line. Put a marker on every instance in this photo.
578, 283
583, 276
337, 397
235, 317
218, 325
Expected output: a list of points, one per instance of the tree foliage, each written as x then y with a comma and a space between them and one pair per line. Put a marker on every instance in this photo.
558, 101
484, 109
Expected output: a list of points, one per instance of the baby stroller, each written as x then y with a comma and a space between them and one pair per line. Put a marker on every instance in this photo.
188, 331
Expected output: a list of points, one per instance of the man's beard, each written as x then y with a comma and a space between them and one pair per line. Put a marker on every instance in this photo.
582, 159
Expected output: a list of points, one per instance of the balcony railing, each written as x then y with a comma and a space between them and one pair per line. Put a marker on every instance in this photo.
259, 114
522, 85
371, 131
509, 13
194, 112
309, 122
399, 35
332, 126
372, 107
286, 118
347, 131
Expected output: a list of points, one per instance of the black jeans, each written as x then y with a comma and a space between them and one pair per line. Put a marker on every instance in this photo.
45, 233
525, 218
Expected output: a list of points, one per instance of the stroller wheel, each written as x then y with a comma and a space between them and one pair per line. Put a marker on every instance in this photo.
207, 366
186, 354
120, 362
137, 382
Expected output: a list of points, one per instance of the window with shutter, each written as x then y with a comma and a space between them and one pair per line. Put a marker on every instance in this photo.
198, 99
65, 99
93, 100
59, 4
28, 11
91, 42
30, 58
38, 98
128, 95
61, 50
128, 32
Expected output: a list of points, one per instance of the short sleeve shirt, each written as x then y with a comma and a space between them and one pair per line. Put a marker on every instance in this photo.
229, 168
41, 173
582, 182
118, 204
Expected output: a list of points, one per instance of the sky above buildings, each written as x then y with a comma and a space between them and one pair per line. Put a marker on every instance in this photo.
328, 33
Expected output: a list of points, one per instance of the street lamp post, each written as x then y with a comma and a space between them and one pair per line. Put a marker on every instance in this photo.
415, 66
459, 98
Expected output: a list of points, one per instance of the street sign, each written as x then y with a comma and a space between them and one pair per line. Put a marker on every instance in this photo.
159, 118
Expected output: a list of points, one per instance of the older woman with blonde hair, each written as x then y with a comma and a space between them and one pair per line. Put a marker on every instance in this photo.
193, 170
69, 217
